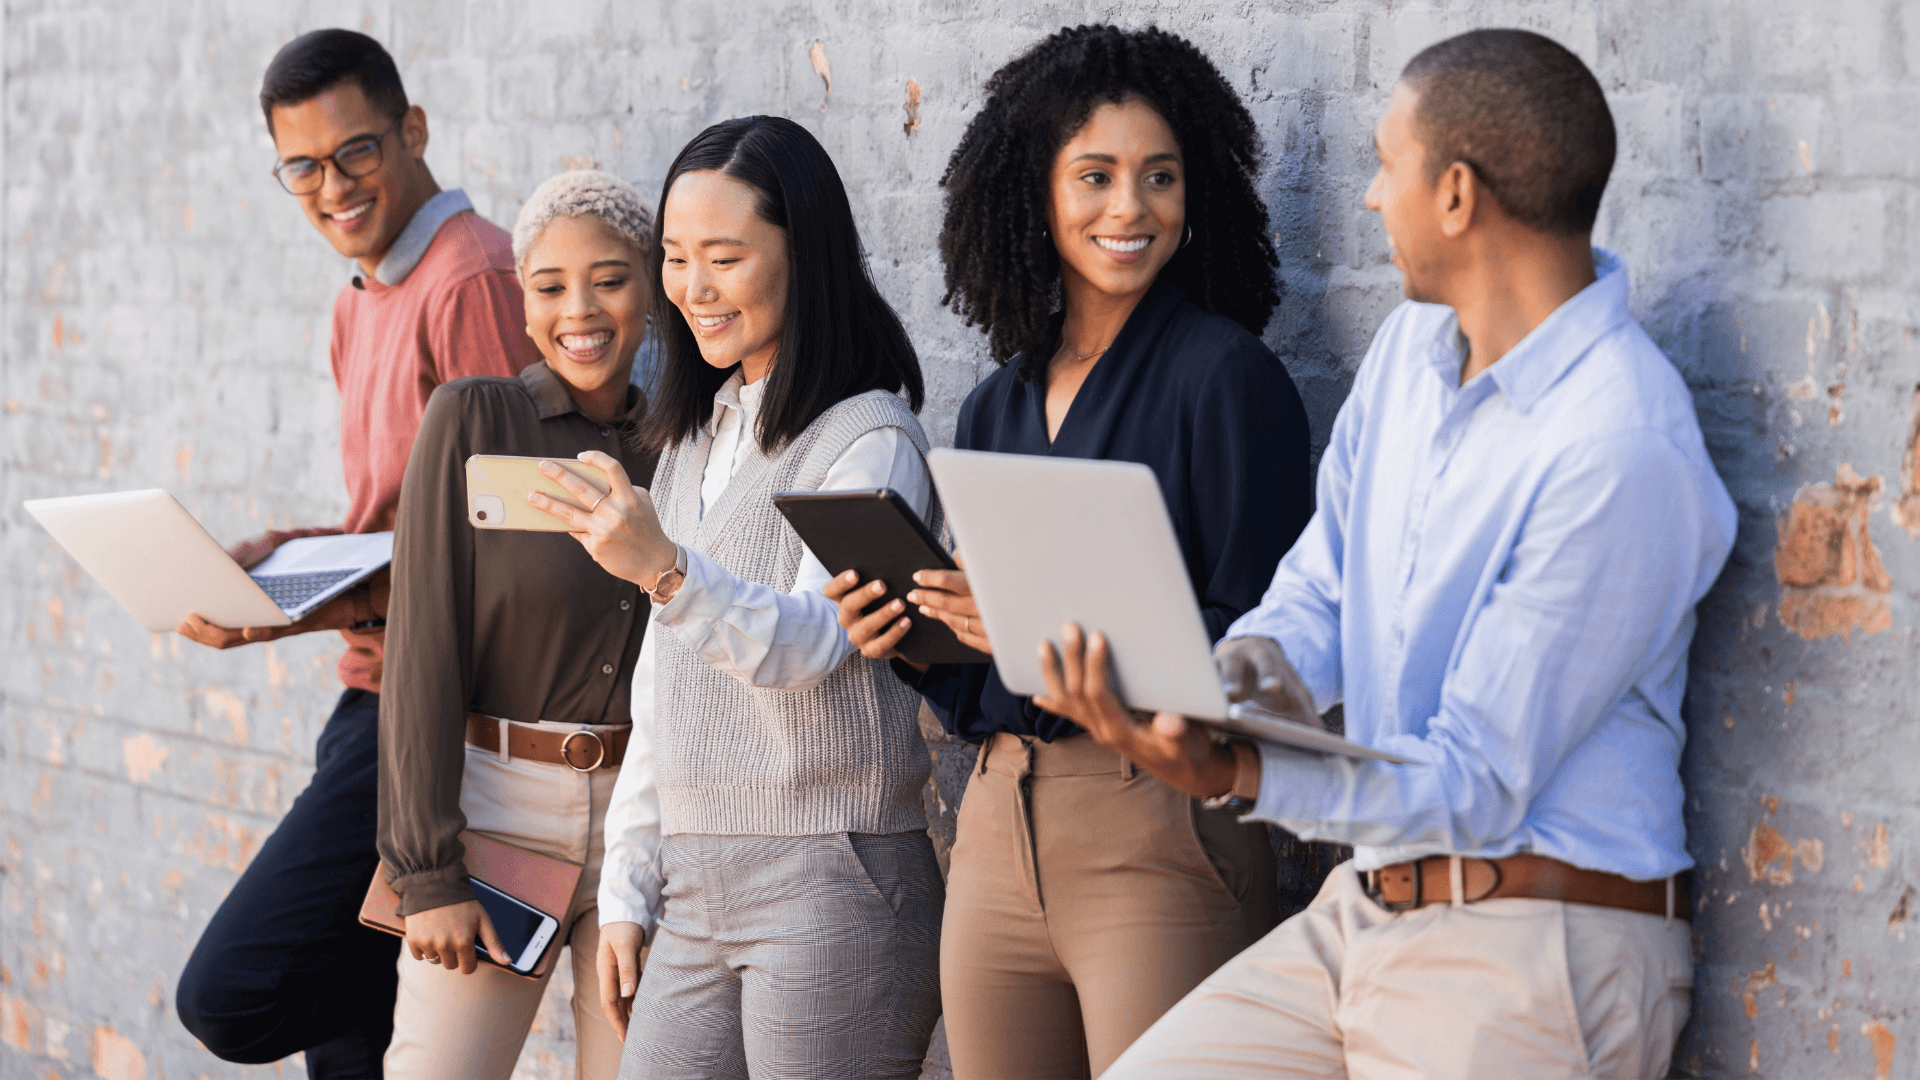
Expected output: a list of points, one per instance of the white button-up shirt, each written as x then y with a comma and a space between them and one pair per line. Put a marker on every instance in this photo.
1499, 581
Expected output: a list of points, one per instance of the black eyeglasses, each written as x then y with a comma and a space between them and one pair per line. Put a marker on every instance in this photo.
355, 158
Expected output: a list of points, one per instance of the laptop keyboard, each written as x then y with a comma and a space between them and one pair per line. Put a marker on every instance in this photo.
292, 590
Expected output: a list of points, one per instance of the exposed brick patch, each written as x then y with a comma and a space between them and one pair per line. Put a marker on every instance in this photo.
1905, 510
1831, 578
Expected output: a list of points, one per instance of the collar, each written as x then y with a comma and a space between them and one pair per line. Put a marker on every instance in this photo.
551, 397
1538, 361
736, 394
412, 243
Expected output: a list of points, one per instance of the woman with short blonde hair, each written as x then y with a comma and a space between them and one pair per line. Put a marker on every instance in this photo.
509, 653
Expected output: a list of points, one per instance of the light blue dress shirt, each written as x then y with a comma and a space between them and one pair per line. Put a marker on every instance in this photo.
1499, 582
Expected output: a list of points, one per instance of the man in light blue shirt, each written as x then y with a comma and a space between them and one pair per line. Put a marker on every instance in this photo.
1515, 518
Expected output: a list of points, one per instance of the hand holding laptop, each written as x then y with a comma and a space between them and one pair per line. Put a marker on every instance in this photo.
352, 608
1080, 688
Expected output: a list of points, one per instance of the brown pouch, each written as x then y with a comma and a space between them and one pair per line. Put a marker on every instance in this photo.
542, 881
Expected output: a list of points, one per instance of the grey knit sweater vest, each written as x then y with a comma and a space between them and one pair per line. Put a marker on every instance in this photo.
734, 759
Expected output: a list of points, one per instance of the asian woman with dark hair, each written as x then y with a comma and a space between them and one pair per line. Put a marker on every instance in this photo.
1103, 227
768, 836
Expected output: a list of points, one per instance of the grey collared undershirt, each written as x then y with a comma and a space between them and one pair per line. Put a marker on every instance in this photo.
412, 242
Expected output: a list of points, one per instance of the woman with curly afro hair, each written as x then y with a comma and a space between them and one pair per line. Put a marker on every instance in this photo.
1102, 226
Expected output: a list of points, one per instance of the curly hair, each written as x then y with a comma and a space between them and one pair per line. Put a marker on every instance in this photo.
1002, 271
584, 193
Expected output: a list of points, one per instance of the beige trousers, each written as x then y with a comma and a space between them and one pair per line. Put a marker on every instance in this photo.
1085, 898
1530, 989
446, 1024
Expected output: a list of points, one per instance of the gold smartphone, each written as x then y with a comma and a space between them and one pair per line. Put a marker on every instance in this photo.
497, 488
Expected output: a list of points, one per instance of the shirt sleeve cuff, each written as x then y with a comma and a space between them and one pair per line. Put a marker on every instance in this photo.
1294, 785
704, 595
429, 889
615, 909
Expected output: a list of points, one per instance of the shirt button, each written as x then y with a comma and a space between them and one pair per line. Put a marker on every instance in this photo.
625, 604
605, 431
606, 669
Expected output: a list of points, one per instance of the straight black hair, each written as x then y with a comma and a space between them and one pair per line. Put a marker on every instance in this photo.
315, 62
838, 337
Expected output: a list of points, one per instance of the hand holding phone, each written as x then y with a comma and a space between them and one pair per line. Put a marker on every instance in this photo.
450, 936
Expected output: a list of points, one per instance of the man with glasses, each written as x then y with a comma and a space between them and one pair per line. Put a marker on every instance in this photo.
285, 965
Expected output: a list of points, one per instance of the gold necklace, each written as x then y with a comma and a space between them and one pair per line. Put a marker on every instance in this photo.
1081, 358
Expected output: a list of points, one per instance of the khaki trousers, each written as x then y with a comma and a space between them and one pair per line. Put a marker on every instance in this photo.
1084, 899
446, 1024
1530, 989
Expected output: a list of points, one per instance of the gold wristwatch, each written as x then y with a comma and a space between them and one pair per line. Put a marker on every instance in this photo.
667, 583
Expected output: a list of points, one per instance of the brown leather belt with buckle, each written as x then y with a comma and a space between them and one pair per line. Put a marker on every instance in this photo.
578, 749
1408, 885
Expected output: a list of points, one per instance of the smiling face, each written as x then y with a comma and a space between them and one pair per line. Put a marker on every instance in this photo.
1408, 200
725, 267
359, 217
1118, 206
586, 308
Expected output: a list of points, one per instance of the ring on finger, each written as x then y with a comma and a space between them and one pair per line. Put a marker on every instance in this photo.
596, 504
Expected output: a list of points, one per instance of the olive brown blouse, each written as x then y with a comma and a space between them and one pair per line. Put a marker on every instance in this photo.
520, 625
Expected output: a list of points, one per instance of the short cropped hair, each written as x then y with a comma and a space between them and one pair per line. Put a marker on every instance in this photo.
586, 193
1526, 115
316, 62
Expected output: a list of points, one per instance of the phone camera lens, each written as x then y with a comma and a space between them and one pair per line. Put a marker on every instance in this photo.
481, 514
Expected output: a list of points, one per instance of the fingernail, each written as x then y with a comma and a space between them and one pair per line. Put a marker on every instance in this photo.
626, 989
920, 577
549, 468
897, 606
877, 587
924, 610
904, 622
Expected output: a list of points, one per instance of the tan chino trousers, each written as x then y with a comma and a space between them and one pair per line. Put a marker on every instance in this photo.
1084, 899
446, 1024
1532, 989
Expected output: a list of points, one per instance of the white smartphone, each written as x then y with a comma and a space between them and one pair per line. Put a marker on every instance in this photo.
524, 929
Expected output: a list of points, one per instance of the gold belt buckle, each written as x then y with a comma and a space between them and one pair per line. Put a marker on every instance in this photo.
566, 749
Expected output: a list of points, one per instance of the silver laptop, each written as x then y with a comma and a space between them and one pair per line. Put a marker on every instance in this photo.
1052, 540
152, 556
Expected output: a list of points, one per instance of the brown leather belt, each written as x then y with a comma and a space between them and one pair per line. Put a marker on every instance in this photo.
577, 748
1408, 885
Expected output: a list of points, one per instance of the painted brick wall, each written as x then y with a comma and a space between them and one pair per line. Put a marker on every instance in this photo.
165, 316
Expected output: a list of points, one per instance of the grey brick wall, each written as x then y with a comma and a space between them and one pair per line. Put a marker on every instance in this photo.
165, 316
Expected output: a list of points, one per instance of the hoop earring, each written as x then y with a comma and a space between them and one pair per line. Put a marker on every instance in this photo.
1189, 238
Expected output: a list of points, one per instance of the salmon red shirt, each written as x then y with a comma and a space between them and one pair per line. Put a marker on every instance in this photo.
443, 304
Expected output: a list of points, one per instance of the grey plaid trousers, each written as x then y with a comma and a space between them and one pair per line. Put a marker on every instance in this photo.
791, 956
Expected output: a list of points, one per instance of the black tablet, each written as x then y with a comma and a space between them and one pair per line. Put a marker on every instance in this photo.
876, 534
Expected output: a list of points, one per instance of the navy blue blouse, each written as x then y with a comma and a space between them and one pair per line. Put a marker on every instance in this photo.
1213, 413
